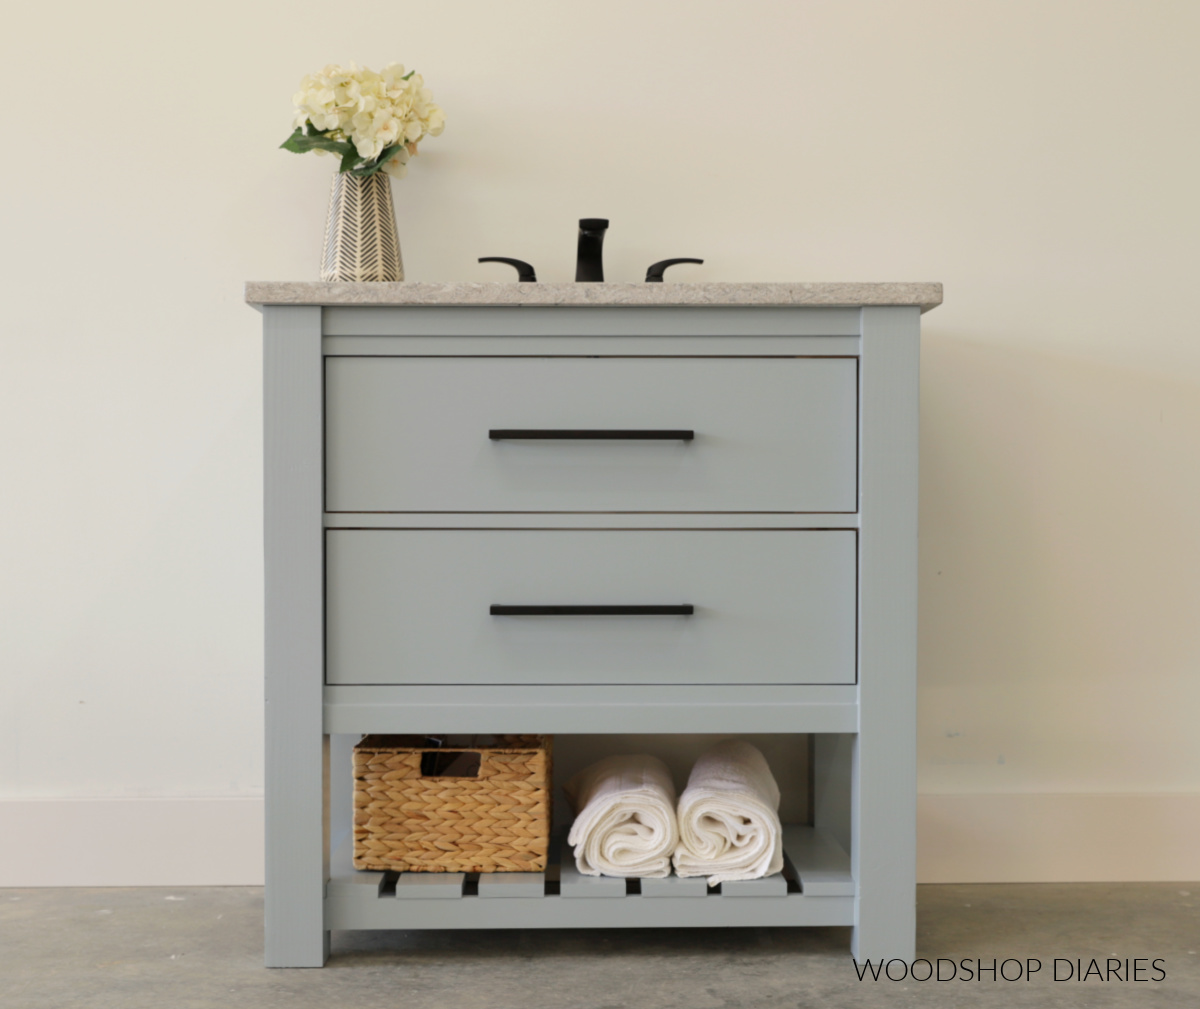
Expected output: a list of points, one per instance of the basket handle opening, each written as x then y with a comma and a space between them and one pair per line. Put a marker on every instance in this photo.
452, 764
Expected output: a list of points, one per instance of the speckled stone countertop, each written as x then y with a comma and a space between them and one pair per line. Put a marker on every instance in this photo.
268, 292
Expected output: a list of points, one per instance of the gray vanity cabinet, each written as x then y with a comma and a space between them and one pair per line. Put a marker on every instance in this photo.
743, 455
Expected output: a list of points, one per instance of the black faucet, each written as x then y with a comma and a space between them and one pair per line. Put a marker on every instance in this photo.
654, 275
589, 263
525, 272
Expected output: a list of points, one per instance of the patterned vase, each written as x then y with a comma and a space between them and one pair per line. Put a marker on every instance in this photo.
360, 234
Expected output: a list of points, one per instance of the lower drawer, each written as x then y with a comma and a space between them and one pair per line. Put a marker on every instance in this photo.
416, 606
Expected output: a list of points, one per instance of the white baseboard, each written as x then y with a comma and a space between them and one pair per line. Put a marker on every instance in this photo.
961, 839
1058, 838
131, 842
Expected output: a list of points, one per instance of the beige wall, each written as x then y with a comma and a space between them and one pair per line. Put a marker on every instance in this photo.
1038, 158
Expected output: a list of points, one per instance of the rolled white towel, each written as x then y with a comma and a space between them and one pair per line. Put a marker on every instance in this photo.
624, 817
729, 816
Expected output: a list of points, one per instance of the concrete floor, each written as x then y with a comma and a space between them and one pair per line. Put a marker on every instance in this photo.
202, 947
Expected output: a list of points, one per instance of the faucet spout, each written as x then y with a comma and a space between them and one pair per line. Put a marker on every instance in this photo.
589, 263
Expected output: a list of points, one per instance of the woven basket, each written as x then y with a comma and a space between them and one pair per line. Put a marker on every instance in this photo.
495, 821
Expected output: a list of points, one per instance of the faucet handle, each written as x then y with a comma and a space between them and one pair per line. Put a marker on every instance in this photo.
654, 275
525, 272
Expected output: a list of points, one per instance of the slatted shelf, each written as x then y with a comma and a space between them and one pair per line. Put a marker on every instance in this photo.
675, 886
768, 886
512, 884
427, 885
822, 867
816, 888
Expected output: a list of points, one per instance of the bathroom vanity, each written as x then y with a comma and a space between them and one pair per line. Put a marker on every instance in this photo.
593, 508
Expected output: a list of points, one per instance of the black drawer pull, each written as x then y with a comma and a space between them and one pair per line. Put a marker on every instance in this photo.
521, 433
592, 611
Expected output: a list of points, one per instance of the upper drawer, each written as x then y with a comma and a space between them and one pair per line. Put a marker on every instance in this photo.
412, 434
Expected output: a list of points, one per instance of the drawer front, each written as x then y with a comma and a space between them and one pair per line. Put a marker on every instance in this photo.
413, 434
414, 606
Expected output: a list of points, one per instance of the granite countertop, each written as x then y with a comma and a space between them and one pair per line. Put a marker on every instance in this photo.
853, 295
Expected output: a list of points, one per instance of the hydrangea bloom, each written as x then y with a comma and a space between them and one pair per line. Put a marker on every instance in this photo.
364, 116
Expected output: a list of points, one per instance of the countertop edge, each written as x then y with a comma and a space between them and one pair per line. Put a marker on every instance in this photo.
926, 296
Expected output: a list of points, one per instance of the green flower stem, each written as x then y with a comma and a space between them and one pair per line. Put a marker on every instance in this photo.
306, 139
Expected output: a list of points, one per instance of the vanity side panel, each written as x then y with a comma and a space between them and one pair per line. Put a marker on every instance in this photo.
297, 858
883, 841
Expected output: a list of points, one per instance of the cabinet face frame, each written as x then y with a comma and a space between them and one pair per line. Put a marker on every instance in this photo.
876, 757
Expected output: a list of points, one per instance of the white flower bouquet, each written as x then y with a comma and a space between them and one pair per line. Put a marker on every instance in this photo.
370, 120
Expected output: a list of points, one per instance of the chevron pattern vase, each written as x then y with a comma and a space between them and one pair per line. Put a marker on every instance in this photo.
361, 243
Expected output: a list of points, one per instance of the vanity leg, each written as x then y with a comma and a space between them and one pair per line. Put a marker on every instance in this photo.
297, 757
884, 773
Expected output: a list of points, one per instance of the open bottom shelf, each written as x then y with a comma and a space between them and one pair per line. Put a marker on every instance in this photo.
816, 888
